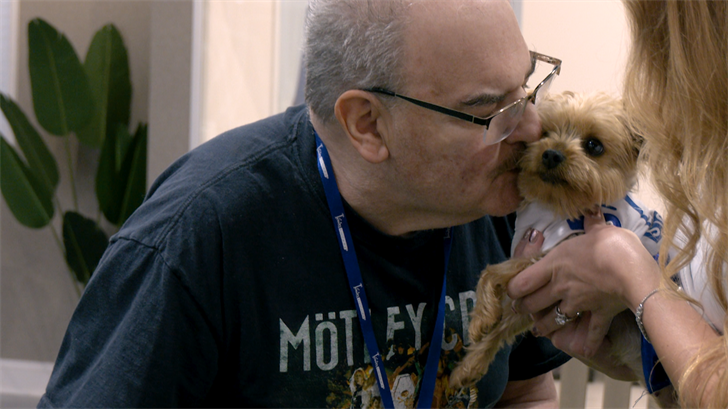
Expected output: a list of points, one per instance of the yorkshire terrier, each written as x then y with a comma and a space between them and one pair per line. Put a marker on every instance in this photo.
586, 158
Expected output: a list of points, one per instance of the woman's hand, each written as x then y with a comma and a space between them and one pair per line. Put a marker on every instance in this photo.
597, 274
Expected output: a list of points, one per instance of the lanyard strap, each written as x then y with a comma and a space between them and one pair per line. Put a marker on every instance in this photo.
351, 264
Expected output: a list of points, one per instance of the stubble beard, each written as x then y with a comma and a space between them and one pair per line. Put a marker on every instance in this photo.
508, 168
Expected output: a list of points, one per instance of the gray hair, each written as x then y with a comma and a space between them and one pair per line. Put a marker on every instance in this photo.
352, 44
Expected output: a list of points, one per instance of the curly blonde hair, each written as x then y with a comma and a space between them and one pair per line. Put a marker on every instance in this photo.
676, 88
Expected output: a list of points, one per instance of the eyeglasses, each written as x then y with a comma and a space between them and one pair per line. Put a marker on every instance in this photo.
502, 123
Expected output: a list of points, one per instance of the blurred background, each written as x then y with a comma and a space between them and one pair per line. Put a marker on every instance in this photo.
199, 68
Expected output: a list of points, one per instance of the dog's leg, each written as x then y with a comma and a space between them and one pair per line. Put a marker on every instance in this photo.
492, 322
492, 303
490, 298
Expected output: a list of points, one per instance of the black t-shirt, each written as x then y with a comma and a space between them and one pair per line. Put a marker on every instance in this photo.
227, 288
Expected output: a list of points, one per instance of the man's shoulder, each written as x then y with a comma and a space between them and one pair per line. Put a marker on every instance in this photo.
230, 171
243, 146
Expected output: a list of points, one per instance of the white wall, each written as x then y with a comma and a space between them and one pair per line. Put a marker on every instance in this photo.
591, 37
252, 54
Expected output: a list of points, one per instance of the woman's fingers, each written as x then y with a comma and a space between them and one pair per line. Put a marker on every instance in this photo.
598, 328
548, 321
541, 274
581, 336
530, 280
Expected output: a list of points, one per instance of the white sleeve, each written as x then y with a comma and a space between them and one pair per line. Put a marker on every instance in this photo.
694, 281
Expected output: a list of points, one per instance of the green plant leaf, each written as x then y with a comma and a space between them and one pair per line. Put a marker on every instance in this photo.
62, 97
123, 142
109, 183
134, 171
40, 160
121, 177
85, 243
107, 68
28, 199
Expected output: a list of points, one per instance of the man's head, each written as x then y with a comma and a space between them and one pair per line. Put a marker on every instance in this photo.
425, 168
351, 44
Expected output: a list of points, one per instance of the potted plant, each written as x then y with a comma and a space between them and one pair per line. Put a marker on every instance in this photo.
90, 101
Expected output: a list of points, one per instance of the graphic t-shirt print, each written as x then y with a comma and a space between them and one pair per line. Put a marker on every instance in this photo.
324, 345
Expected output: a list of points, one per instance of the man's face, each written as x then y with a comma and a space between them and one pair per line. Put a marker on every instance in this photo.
460, 54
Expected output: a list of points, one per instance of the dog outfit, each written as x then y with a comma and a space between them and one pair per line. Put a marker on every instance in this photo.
628, 213
227, 288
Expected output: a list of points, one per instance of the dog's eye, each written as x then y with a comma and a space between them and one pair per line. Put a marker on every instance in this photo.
593, 147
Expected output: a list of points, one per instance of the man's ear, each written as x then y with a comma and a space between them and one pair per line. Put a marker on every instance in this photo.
361, 116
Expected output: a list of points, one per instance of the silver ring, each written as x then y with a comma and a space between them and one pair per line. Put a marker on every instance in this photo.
561, 318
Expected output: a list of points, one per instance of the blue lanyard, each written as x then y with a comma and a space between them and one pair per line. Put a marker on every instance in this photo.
346, 245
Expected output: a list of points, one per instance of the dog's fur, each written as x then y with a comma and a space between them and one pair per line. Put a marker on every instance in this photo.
565, 172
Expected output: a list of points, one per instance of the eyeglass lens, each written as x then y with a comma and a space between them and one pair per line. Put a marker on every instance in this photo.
502, 125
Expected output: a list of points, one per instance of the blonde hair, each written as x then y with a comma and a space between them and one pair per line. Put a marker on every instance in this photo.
676, 88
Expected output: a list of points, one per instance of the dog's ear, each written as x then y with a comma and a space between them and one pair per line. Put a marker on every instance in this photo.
637, 139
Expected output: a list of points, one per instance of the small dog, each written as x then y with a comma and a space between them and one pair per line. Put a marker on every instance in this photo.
586, 157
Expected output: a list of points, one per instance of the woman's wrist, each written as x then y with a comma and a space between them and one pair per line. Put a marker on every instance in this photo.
641, 275
632, 270
640, 310
647, 280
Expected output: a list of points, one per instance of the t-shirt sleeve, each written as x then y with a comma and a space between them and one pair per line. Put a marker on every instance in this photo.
532, 356
138, 338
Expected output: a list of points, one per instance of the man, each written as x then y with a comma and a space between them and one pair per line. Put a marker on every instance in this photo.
300, 261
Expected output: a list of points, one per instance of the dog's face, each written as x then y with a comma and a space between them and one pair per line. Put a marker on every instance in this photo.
586, 156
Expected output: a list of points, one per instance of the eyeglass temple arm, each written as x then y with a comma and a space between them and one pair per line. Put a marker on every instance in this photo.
438, 108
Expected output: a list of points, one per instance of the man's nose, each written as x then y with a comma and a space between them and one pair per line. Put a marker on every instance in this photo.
529, 127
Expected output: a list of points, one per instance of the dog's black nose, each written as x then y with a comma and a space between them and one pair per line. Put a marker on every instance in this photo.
552, 158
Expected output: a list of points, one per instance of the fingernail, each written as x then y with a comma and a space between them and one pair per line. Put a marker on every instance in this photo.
528, 234
513, 307
534, 331
532, 236
587, 352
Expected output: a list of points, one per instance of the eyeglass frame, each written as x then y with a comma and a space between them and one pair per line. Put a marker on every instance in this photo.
475, 119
